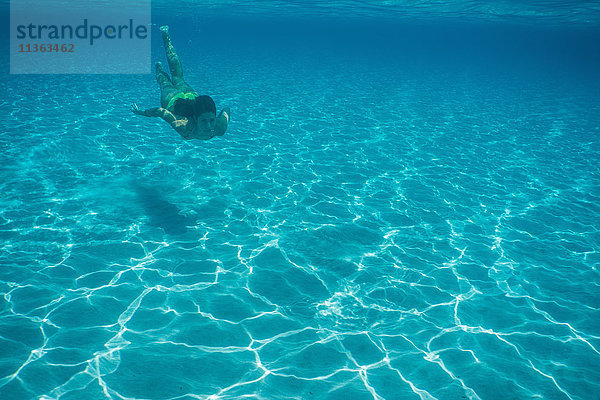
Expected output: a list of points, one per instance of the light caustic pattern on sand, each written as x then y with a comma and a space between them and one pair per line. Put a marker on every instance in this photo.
423, 244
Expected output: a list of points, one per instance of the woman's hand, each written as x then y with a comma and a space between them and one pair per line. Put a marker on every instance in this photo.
136, 110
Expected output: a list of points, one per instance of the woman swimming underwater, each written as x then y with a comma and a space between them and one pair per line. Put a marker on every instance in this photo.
191, 115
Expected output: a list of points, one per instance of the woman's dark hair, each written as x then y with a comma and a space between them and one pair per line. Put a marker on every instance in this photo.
191, 108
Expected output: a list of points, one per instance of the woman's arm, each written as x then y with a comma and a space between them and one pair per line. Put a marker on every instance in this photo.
222, 122
150, 112
178, 124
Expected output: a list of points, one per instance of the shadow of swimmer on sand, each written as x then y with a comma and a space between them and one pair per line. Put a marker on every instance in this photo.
160, 211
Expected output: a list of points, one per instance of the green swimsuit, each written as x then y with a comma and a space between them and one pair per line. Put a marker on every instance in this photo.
187, 96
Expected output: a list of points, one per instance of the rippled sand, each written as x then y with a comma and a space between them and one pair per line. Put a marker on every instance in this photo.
360, 232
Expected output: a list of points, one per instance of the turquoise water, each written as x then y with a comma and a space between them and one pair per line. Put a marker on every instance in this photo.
405, 206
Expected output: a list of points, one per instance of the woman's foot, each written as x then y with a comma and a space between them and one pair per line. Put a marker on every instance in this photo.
159, 68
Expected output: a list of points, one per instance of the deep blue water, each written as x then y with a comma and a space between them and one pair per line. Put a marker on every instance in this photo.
405, 206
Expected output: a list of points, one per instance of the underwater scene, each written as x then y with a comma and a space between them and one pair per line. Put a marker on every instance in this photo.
331, 200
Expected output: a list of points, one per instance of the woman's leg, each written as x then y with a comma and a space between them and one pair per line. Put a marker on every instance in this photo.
167, 90
174, 63
172, 57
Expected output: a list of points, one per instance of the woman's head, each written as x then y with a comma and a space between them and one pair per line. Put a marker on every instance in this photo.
202, 110
192, 108
204, 104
